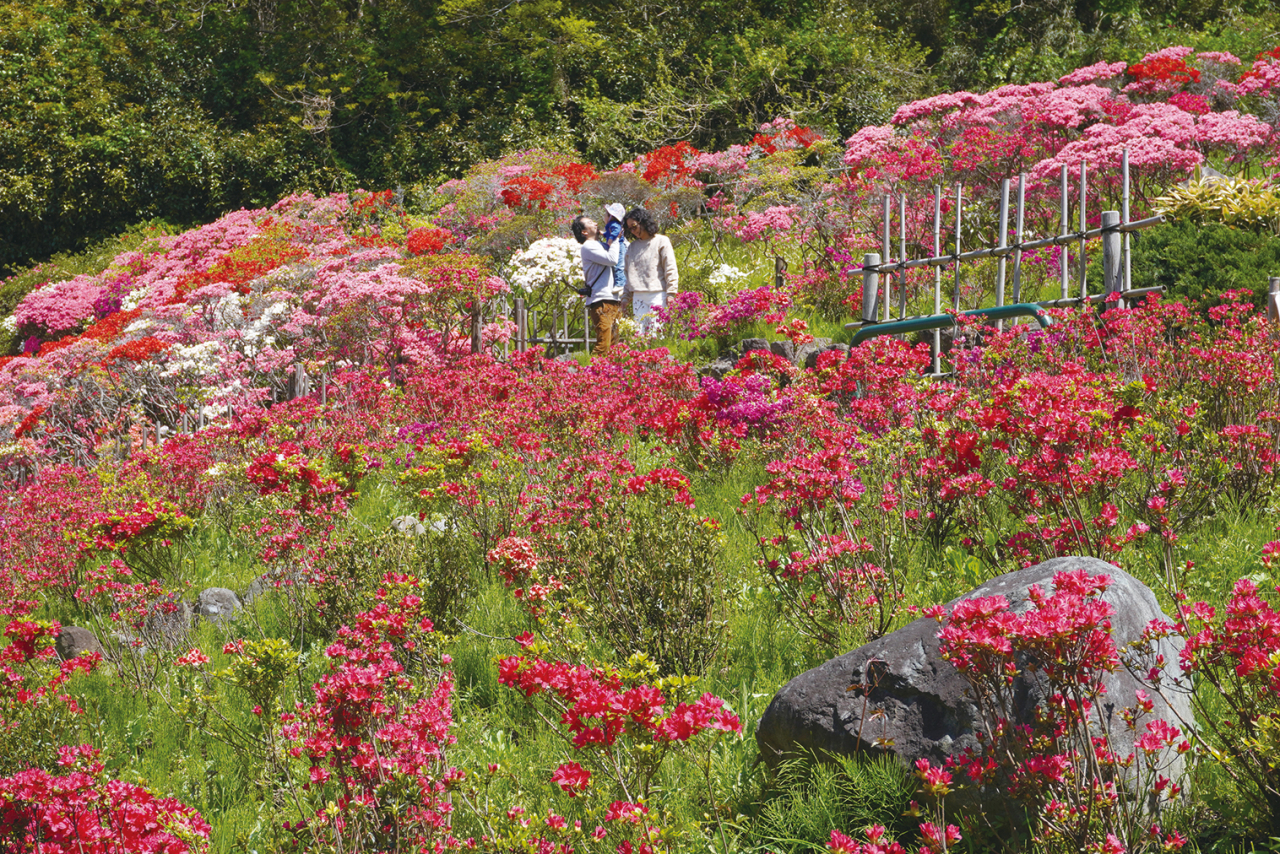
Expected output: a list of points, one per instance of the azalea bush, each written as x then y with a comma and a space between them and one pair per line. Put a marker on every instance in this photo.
625, 556
1080, 789
85, 810
37, 715
1231, 653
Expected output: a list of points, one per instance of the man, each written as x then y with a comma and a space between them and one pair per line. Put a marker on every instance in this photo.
603, 305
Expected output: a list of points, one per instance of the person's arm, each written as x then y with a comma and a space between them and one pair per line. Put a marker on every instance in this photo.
628, 267
594, 252
667, 258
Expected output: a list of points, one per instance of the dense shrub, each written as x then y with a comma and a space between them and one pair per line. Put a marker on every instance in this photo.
1196, 262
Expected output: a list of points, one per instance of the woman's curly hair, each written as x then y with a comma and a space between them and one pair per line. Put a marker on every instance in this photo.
643, 218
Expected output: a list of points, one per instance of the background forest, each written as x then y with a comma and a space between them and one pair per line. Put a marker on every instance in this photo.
117, 112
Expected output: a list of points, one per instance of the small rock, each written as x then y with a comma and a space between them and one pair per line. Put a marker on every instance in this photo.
217, 603
408, 525
749, 344
718, 368
809, 351
169, 624
268, 581
785, 349
811, 360
73, 641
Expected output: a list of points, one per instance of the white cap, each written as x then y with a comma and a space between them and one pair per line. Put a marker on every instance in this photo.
616, 211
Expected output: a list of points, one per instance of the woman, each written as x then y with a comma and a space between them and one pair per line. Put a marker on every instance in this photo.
651, 268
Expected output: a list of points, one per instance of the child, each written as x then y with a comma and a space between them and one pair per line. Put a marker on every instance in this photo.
613, 233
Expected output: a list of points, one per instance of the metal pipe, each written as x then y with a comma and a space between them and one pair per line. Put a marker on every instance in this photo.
1124, 216
1072, 301
943, 321
1084, 224
1004, 239
1127, 227
936, 344
902, 254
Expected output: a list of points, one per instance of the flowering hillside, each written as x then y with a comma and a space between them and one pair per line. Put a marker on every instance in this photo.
358, 574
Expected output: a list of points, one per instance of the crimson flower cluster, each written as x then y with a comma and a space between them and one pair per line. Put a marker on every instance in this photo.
84, 812
599, 709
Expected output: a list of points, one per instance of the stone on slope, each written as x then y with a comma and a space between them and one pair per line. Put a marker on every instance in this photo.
217, 603
899, 688
73, 641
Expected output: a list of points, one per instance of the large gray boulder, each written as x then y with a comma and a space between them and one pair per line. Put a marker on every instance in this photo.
896, 694
811, 359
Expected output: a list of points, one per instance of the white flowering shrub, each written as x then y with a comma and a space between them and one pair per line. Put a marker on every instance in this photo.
196, 360
724, 275
549, 262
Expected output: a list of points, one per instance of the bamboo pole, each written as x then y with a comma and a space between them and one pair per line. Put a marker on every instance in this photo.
1064, 259
955, 301
936, 348
1019, 222
885, 255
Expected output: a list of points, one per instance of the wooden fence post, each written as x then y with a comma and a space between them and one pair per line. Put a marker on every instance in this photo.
779, 267
475, 330
522, 326
1112, 274
870, 286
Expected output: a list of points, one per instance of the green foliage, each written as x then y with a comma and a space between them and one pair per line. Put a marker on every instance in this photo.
653, 584
811, 797
96, 131
118, 112
1197, 262
357, 563
1249, 205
